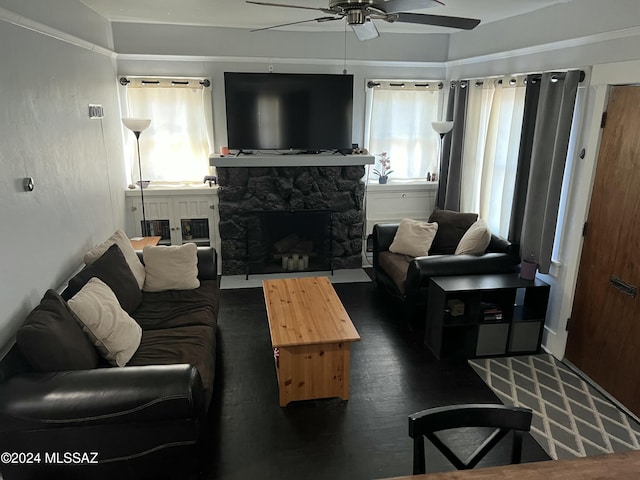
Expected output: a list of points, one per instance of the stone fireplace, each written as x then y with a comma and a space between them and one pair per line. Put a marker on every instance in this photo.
245, 190
282, 240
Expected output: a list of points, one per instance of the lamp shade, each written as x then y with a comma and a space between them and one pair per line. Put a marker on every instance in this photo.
442, 127
136, 124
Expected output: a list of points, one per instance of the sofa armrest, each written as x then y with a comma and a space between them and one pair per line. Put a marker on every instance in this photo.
100, 396
449, 265
500, 244
207, 262
422, 269
383, 235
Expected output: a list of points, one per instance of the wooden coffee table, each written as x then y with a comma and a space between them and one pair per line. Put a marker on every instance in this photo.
311, 334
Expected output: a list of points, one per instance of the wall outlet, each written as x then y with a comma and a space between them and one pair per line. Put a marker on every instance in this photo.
96, 111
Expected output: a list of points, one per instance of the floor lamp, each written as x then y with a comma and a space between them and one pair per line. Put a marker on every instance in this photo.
441, 128
137, 125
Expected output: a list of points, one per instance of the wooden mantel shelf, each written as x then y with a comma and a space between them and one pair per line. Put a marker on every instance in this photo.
293, 160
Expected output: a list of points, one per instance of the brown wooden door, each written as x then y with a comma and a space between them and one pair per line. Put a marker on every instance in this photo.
604, 331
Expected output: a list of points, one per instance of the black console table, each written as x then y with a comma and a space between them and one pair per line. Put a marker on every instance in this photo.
485, 316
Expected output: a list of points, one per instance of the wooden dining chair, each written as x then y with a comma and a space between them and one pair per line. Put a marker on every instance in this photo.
503, 419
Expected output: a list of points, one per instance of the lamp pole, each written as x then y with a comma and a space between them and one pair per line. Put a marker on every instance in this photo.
137, 126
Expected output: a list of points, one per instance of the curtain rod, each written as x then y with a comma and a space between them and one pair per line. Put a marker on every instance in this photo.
583, 75
124, 81
418, 84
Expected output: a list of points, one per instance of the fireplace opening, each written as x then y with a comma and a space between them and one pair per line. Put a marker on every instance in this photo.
288, 241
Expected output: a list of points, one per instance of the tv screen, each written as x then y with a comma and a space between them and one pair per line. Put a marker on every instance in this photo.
276, 111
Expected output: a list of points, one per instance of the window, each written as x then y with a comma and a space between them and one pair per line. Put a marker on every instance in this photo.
398, 121
493, 130
176, 146
491, 144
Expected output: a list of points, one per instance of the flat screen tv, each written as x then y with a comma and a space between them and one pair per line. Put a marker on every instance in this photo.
276, 111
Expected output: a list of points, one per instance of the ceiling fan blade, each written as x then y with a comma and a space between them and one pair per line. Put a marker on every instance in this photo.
269, 4
366, 31
397, 6
319, 20
438, 20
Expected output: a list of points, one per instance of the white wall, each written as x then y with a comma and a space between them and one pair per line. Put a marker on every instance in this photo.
45, 88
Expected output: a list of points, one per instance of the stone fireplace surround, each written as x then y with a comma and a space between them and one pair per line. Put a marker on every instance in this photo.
246, 189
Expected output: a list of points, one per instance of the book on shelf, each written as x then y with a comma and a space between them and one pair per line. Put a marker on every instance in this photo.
491, 312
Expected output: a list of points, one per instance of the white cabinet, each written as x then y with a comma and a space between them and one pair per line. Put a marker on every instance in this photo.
176, 215
392, 202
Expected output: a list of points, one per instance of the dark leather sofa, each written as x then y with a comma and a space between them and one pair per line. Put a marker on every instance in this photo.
144, 420
412, 291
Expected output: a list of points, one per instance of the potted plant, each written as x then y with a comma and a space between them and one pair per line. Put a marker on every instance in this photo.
385, 168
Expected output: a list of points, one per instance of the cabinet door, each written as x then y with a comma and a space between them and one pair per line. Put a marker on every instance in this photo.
158, 211
194, 220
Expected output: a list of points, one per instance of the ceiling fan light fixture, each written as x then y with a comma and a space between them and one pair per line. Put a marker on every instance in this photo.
366, 31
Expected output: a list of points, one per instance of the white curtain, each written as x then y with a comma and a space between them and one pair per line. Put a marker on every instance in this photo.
490, 155
399, 122
177, 145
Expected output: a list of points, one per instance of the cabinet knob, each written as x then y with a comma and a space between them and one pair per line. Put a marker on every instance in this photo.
212, 207
134, 209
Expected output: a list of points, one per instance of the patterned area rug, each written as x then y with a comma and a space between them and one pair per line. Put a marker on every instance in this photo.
570, 417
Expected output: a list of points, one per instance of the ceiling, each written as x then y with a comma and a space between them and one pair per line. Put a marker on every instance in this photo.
238, 14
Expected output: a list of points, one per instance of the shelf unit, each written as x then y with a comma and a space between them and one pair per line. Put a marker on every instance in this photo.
485, 316
177, 216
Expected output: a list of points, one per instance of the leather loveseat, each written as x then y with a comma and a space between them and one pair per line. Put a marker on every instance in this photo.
143, 420
407, 278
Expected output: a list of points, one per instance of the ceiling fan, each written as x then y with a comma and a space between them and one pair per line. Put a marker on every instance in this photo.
361, 13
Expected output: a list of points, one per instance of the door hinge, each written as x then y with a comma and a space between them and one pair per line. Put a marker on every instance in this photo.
584, 229
567, 325
603, 121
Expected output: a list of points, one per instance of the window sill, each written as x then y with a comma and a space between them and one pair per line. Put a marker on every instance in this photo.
178, 189
402, 185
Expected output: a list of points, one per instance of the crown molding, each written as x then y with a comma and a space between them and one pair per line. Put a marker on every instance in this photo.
28, 24
340, 62
548, 47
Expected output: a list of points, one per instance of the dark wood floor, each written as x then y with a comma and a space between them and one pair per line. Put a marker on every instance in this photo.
392, 376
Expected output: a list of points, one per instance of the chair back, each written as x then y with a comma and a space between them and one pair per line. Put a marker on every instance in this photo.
503, 419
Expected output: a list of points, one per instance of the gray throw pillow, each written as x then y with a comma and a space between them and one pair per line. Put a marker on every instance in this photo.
451, 228
52, 340
112, 268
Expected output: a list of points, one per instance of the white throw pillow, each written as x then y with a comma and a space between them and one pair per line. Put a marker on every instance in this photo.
172, 267
114, 333
123, 242
475, 240
413, 238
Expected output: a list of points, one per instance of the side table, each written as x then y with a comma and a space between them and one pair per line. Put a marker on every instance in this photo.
138, 243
